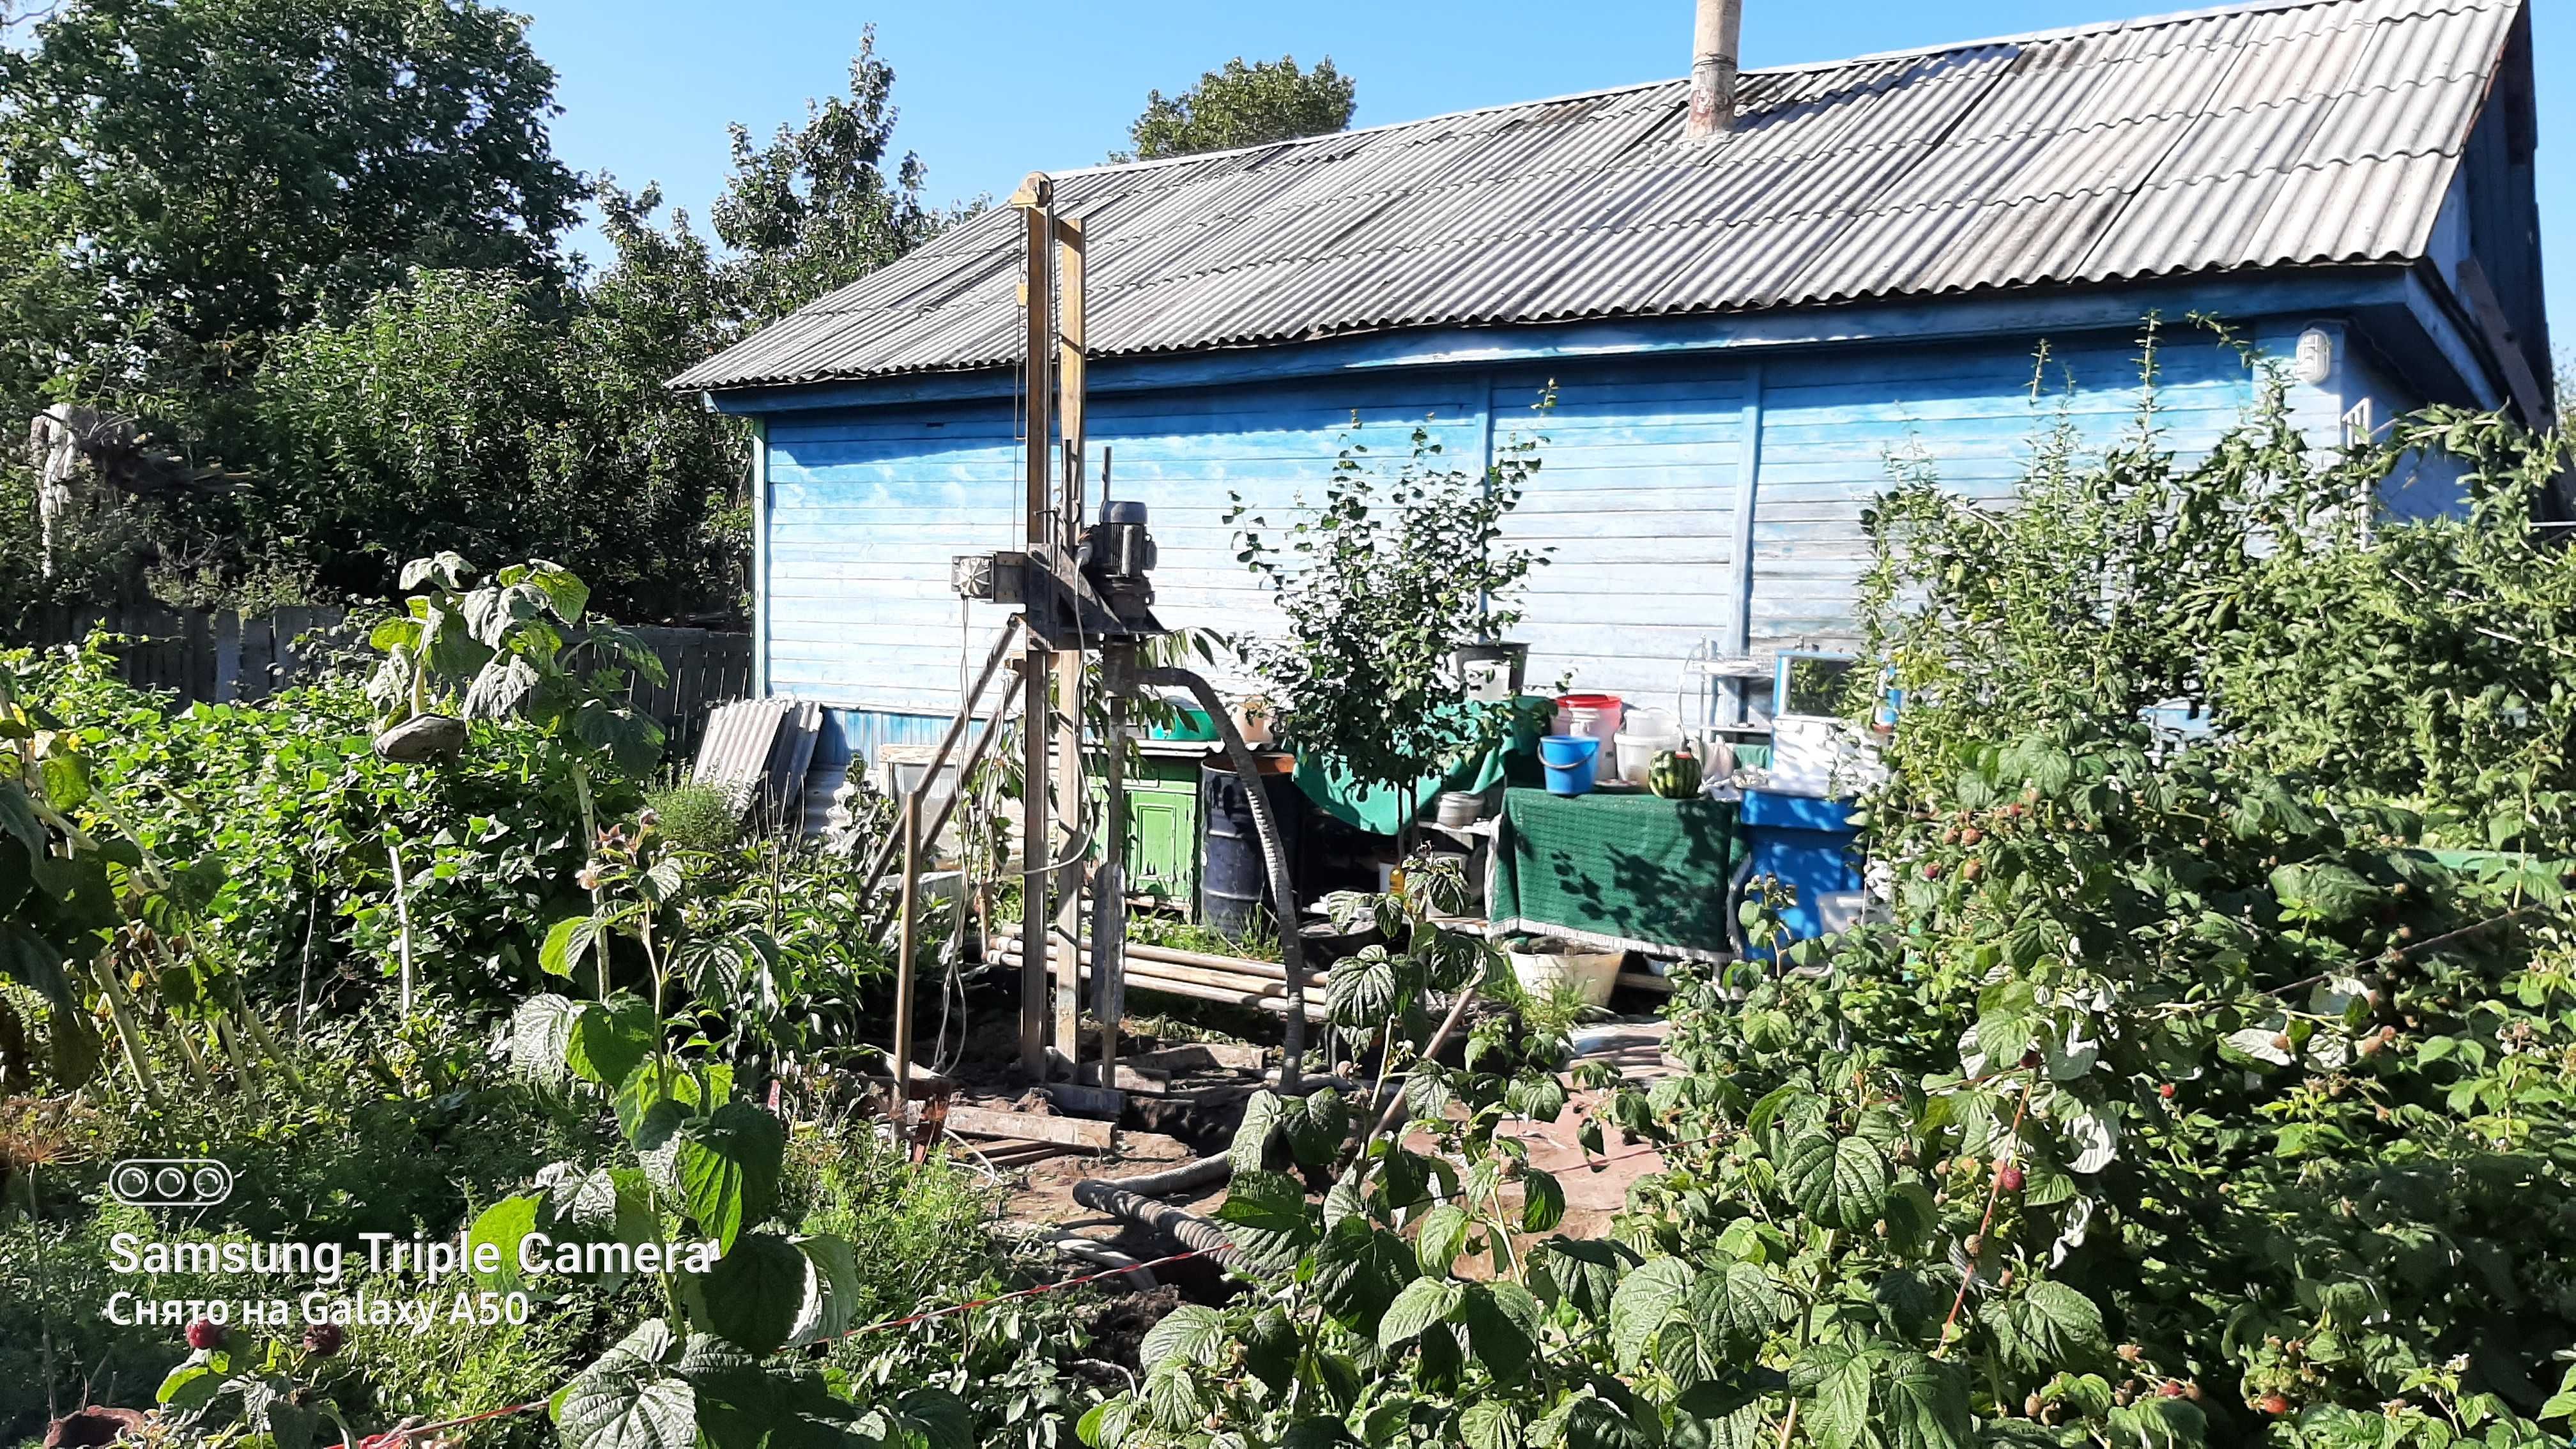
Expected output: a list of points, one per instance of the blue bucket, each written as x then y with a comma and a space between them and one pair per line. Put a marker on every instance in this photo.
1571, 761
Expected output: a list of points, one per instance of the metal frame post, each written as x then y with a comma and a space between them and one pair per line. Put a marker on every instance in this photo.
907, 941
1110, 967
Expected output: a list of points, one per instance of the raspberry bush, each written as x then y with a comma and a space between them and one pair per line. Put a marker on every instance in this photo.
2208, 1083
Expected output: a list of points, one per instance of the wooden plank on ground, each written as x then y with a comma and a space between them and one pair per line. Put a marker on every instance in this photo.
1090, 1101
1201, 1056
1029, 1126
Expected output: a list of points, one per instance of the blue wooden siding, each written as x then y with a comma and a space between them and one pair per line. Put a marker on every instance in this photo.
865, 510
1637, 496
1188, 455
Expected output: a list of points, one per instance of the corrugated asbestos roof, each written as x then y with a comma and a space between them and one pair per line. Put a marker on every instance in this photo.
2278, 134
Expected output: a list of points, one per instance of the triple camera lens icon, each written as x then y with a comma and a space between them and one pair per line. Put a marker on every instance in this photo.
180, 1182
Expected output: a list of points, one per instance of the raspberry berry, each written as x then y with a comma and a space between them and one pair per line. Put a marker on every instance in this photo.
2008, 1178
205, 1334
2166, 1091
324, 1339
2274, 1405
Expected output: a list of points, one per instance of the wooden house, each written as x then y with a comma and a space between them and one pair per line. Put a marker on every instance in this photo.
1741, 334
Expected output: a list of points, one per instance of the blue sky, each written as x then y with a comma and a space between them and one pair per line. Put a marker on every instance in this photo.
991, 89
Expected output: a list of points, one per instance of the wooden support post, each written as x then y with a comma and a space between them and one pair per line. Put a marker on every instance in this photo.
1069, 802
1037, 291
1073, 363
907, 939
1069, 806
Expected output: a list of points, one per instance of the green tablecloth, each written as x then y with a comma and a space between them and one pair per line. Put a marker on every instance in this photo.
1617, 871
1381, 812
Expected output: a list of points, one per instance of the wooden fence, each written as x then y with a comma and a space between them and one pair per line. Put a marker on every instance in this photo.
219, 656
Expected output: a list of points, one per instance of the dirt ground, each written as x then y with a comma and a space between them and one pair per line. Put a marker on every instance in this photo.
1041, 1193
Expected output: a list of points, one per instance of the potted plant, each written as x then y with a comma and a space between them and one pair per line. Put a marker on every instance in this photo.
1491, 670
1252, 717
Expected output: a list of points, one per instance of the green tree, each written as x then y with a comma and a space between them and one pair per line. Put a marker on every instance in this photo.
818, 208
1243, 105
181, 180
460, 411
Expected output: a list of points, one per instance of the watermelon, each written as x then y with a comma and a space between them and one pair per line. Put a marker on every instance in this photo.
1675, 775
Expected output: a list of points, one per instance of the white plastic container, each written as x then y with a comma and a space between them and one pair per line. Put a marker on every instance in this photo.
1637, 754
1592, 974
1600, 721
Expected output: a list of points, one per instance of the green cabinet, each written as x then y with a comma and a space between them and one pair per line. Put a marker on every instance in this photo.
1163, 821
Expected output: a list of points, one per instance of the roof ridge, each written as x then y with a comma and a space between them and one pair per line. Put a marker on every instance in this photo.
2063, 32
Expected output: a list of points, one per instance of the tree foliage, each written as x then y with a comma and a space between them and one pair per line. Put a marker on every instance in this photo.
461, 410
1243, 105
819, 207
316, 243
185, 178
1381, 584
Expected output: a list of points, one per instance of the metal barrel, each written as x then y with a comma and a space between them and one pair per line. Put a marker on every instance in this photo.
1234, 885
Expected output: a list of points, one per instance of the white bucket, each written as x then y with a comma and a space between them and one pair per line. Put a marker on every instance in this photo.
1637, 753
1652, 722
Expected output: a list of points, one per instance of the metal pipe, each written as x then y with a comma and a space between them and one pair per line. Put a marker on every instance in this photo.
1283, 891
1109, 898
1717, 35
947, 808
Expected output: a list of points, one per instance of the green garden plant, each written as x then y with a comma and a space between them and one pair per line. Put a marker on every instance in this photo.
305, 823
517, 646
1416, 1302
2195, 1092
1380, 585
2205, 1087
704, 1167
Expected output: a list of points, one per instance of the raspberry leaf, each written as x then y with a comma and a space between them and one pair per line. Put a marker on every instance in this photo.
757, 1293
728, 1166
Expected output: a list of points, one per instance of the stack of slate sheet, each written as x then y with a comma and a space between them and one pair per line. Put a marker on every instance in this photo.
756, 751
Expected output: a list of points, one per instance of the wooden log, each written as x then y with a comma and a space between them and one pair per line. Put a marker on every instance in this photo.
1264, 996
1270, 971
1031, 1127
1231, 990
1019, 1154
1242, 965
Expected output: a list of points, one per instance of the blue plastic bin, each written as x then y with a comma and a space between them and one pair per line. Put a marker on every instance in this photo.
1806, 843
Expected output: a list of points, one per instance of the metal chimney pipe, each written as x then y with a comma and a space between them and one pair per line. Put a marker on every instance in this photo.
1717, 35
